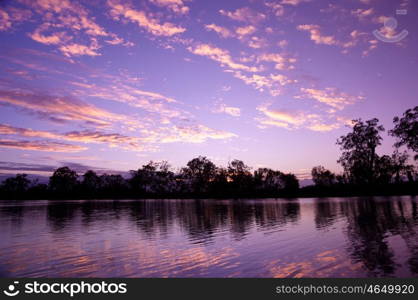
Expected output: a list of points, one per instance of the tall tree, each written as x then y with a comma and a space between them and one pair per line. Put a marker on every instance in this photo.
151, 178
406, 130
240, 176
358, 147
200, 171
400, 166
268, 180
289, 182
18, 184
64, 180
91, 182
322, 176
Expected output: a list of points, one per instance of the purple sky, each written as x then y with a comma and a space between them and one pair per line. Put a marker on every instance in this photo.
114, 84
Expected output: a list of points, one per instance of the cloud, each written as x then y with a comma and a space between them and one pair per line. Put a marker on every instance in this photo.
330, 96
226, 88
317, 126
78, 50
244, 14
5, 22
60, 109
40, 146
220, 55
277, 8
65, 13
245, 30
12, 16
10, 130
283, 80
353, 38
15, 166
257, 42
116, 40
316, 35
31, 168
273, 82
117, 88
229, 110
65, 24
259, 82
294, 2
85, 136
176, 6
52, 39
194, 134
284, 117
362, 13
222, 31
283, 62
153, 25
294, 120
241, 33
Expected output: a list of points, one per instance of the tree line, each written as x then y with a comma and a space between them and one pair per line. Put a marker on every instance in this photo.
365, 172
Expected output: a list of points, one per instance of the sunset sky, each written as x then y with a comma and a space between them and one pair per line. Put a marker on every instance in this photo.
113, 84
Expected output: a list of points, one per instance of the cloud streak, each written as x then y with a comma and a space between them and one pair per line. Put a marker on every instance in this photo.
220, 55
40, 146
60, 109
120, 10
330, 96
176, 6
292, 120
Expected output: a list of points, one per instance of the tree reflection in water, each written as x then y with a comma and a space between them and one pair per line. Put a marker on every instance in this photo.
377, 230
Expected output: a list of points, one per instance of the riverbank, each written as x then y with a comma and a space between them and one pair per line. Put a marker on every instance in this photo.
401, 189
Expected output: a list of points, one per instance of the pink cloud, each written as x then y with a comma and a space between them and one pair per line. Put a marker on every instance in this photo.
244, 14
220, 55
78, 49
40, 146
222, 31
229, 110
10, 16
85, 136
317, 36
282, 61
60, 109
150, 24
177, 6
294, 120
330, 96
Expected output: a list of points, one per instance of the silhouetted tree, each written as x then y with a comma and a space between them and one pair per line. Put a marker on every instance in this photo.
289, 182
239, 175
63, 181
268, 180
113, 185
384, 170
219, 185
142, 178
16, 185
91, 182
322, 176
359, 151
400, 166
406, 130
200, 171
154, 177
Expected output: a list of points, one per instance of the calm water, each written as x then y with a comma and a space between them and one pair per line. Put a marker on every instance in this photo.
328, 237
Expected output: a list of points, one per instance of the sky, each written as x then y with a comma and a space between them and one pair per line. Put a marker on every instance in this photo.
112, 84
